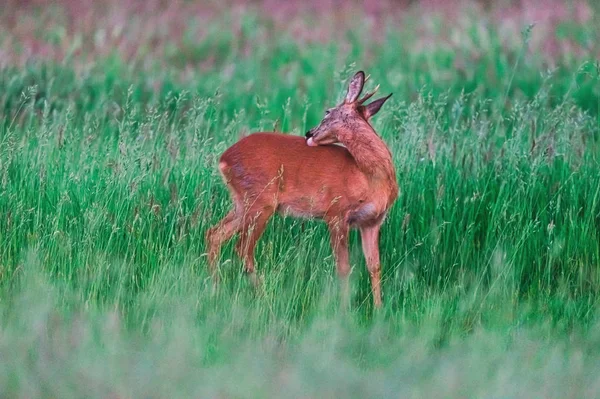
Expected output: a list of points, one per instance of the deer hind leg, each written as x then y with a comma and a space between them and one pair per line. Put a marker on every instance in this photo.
370, 243
226, 228
217, 235
253, 225
338, 231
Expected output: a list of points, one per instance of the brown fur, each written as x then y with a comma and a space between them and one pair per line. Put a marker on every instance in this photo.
354, 185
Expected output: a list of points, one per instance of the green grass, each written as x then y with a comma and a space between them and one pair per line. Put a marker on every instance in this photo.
490, 256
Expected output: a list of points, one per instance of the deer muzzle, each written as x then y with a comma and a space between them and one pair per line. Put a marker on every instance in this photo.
309, 139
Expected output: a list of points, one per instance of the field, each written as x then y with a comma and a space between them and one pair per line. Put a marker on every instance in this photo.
112, 121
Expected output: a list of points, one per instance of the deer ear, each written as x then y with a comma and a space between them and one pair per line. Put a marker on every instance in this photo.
355, 87
374, 107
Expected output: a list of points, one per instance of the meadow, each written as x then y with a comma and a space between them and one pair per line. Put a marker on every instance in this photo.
108, 183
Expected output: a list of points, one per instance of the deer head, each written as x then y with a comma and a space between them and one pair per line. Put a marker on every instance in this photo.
343, 121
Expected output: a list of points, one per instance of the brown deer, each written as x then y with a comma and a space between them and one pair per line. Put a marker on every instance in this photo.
353, 185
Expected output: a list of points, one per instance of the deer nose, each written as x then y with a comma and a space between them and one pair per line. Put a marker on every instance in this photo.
308, 134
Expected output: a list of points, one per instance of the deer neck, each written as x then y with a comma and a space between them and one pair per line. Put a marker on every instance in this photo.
371, 155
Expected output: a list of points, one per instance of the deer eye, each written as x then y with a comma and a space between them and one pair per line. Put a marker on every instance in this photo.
327, 112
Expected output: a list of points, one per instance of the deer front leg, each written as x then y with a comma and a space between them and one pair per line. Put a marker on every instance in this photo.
370, 243
338, 231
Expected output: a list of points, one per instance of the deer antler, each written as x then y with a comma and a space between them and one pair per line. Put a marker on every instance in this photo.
368, 95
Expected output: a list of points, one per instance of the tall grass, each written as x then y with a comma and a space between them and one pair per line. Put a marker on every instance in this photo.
490, 256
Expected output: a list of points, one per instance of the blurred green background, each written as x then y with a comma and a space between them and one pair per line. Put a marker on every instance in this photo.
114, 114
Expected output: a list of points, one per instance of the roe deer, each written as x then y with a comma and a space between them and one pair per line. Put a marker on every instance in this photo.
353, 185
